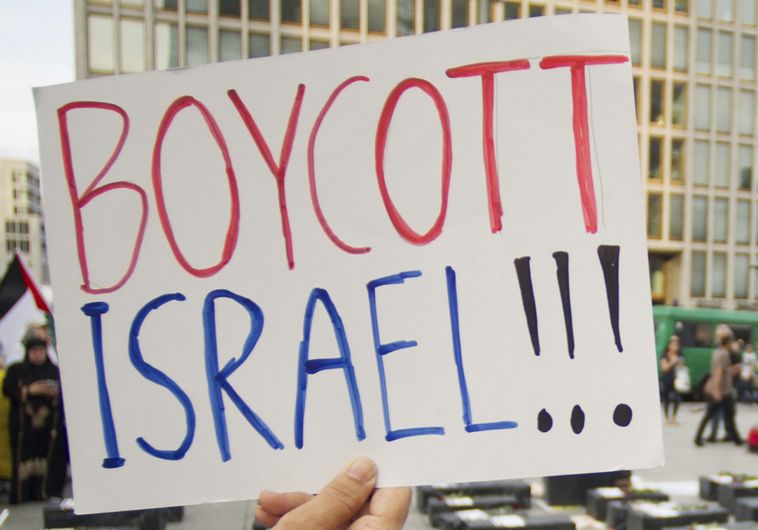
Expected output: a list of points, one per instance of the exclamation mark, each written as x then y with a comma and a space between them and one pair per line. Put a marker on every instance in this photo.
609, 260
524, 274
562, 271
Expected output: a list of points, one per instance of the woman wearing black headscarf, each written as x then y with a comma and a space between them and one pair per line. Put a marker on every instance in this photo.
33, 387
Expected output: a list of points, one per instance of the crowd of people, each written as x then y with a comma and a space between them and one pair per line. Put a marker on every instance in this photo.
732, 379
36, 436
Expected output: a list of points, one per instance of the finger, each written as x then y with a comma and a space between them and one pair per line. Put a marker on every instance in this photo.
266, 519
387, 510
338, 502
281, 503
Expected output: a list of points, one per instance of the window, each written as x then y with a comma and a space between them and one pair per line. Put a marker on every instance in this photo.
259, 9
405, 18
724, 109
635, 39
725, 10
513, 10
349, 10
290, 45
705, 8
654, 158
291, 11
745, 161
230, 8
567, 10
316, 44
697, 282
432, 14
741, 272
701, 166
656, 103
747, 112
132, 36
677, 160
682, 6
742, 223
319, 12
168, 5
720, 219
699, 218
695, 334
747, 57
679, 104
681, 48
724, 64
197, 45
658, 46
654, 215
460, 13
718, 275
635, 90
260, 45
486, 11
703, 51
535, 10
376, 16
702, 107
166, 46
100, 44
723, 167
197, 6
230, 45
747, 12
676, 217
659, 4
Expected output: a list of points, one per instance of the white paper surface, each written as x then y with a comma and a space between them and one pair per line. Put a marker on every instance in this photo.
457, 358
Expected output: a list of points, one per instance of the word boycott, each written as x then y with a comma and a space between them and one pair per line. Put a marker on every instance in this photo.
486, 72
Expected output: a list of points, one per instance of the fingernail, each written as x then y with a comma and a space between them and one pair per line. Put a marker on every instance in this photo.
362, 469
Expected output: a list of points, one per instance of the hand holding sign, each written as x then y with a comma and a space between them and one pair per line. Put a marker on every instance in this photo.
349, 498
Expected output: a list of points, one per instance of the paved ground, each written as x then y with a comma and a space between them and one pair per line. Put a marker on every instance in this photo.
684, 463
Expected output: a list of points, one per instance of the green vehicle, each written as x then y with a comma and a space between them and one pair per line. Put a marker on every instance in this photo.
695, 328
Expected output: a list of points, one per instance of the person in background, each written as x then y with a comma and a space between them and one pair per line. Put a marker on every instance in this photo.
719, 388
671, 360
349, 501
746, 383
33, 388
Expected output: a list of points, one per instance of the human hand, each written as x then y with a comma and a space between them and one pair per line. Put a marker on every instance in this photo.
348, 502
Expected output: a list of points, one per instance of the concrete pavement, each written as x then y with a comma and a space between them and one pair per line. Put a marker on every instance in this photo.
684, 464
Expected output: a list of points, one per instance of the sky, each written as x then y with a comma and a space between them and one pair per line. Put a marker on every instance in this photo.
36, 49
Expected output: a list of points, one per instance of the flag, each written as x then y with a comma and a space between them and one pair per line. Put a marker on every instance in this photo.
21, 303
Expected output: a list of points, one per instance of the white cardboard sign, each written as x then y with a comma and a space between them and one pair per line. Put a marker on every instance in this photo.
428, 250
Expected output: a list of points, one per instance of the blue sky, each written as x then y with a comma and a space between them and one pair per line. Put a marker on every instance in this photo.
36, 49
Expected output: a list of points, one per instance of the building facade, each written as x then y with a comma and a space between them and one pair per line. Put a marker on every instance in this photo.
694, 66
21, 219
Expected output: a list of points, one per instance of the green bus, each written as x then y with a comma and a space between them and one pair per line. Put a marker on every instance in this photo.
695, 328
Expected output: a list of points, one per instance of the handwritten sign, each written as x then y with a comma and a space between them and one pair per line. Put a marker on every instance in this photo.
427, 250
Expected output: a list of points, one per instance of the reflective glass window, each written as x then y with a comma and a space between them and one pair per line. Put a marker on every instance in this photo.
745, 161
376, 16
679, 104
676, 217
725, 10
406, 17
699, 218
702, 107
319, 12
697, 276
231, 8
742, 222
654, 160
197, 6
536, 10
658, 46
724, 63
746, 111
703, 51
166, 46
290, 44
747, 12
349, 14
718, 275
656, 102
197, 45
724, 109
132, 36
259, 9
635, 39
291, 11
701, 163
230, 45
681, 48
677, 160
259, 45
722, 171
432, 15
460, 13
100, 44
654, 214
704, 8
747, 57
720, 219
682, 6
741, 272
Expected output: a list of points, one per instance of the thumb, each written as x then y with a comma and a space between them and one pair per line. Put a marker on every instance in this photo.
338, 503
